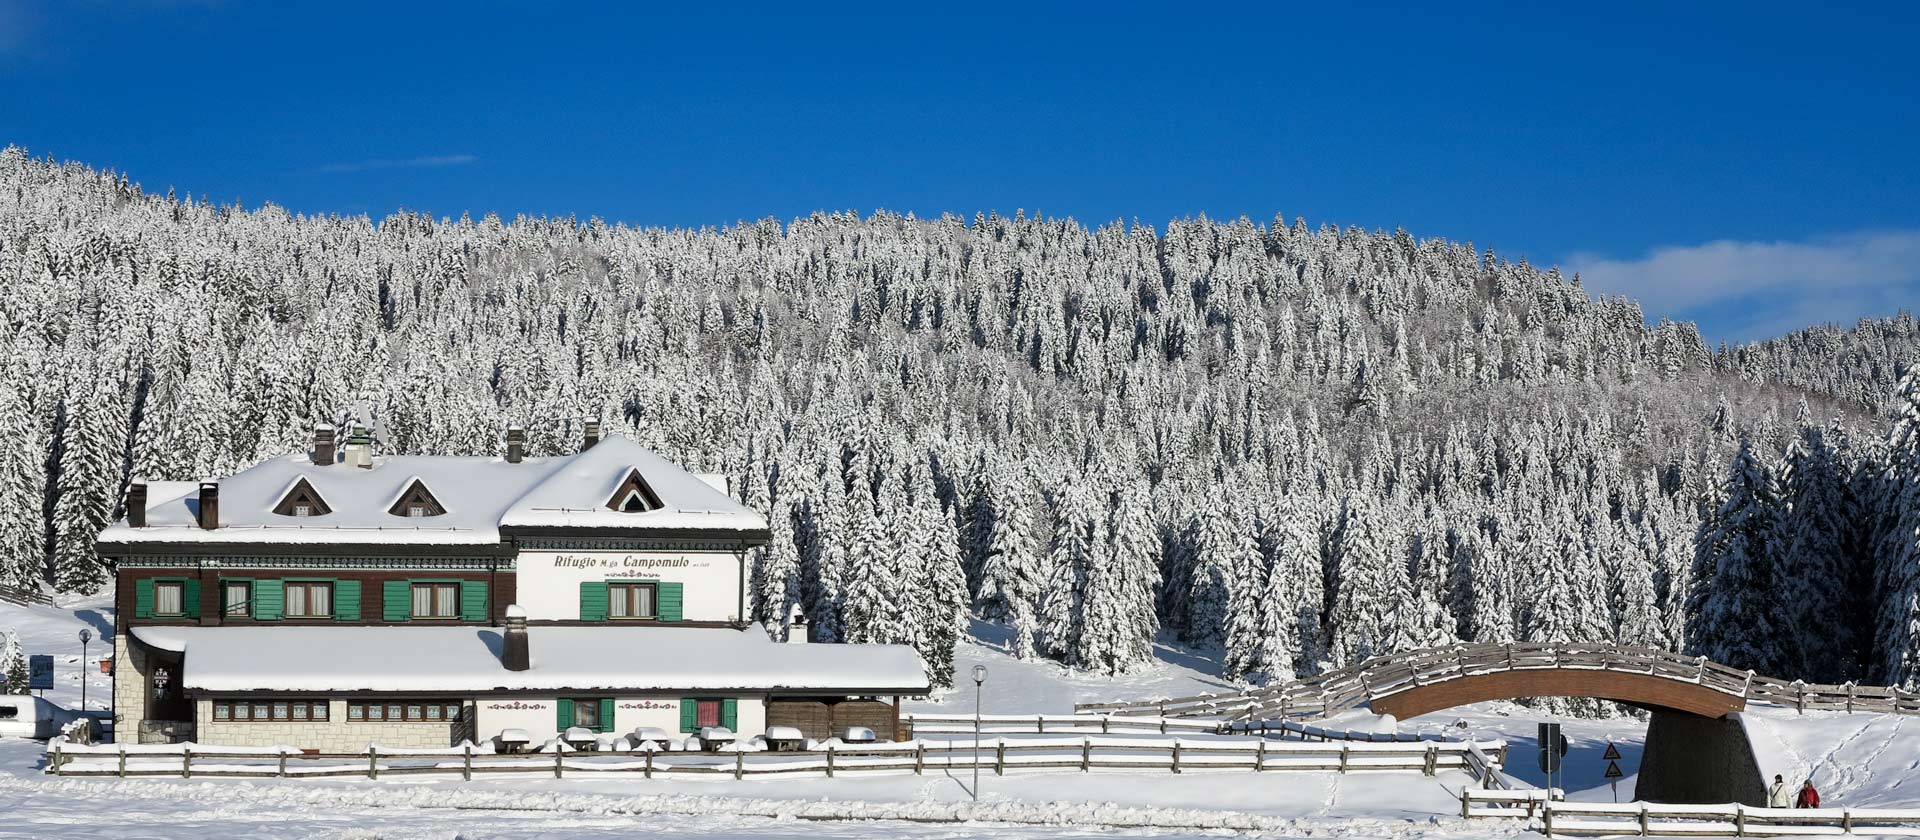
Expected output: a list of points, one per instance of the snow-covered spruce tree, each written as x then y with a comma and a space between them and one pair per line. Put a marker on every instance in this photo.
13, 664
1120, 619
1073, 555
1357, 627
23, 560
1221, 581
1821, 538
1012, 576
94, 434
1289, 629
1736, 624
1898, 546
776, 577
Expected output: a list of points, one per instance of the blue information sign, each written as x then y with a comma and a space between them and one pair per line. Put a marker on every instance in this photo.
40, 670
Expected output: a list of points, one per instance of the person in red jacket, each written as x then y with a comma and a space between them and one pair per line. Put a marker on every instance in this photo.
1809, 797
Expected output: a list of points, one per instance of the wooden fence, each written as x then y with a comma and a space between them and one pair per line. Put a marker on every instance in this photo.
24, 597
1384, 676
925, 724
1085, 753
1647, 819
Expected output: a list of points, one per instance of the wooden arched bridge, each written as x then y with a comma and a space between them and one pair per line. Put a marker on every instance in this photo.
1411, 683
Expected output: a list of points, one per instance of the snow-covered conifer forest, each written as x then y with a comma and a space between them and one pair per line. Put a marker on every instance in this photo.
1307, 446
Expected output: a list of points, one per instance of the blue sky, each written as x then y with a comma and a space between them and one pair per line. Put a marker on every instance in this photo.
1750, 166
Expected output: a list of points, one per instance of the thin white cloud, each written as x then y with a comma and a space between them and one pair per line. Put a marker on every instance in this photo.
1760, 289
428, 162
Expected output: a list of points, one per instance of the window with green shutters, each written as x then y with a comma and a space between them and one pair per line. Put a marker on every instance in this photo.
398, 599
699, 712
668, 598
593, 713
166, 597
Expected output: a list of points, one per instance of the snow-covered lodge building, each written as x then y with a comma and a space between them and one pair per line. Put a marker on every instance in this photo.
341, 597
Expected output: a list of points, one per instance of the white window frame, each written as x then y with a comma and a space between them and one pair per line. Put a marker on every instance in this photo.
179, 590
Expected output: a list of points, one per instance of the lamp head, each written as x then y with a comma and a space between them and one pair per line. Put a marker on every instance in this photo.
85, 635
979, 674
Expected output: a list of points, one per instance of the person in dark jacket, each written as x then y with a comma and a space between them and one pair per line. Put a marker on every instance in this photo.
1809, 797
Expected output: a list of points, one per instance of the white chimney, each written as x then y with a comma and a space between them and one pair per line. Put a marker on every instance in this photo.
797, 633
359, 448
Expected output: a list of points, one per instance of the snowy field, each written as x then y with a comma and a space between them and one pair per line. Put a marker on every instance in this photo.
1051, 804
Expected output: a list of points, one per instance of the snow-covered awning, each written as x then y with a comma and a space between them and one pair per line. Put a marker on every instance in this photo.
467, 659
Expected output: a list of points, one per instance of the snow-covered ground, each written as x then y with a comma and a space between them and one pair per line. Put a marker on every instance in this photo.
1866, 761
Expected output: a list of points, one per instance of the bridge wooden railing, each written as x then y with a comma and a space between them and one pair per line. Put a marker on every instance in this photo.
1383, 676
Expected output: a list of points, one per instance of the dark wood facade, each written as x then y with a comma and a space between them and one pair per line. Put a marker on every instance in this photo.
501, 591
828, 717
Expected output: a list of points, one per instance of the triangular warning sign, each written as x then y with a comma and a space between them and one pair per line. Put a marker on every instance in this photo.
1612, 753
1613, 771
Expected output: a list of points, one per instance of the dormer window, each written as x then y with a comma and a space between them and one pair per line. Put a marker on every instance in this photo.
634, 496
302, 500
417, 501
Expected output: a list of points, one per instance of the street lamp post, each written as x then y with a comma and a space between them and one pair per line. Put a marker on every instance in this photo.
979, 678
85, 637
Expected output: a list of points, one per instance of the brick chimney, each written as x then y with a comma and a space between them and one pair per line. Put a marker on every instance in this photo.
513, 652
323, 444
593, 435
209, 505
137, 504
516, 444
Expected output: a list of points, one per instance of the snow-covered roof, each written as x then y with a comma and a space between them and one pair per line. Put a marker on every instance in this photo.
467, 659
480, 494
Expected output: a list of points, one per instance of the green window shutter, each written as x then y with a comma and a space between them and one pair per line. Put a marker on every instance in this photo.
669, 606
689, 713
269, 599
593, 600
397, 600
346, 600
565, 718
143, 598
190, 597
730, 714
473, 600
606, 714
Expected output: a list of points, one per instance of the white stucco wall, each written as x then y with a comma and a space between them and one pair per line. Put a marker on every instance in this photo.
536, 715
549, 581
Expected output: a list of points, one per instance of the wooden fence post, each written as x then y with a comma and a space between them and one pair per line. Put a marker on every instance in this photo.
1433, 759
739, 765
1546, 817
466, 762
1466, 802
56, 756
1800, 696
373, 762
1260, 757
1176, 756
283, 764
1739, 821
186, 763
829, 761
1643, 819
1040, 724
649, 769
1846, 820
920, 758
1086, 754
559, 759
1104, 720
1000, 757
1344, 749
123, 761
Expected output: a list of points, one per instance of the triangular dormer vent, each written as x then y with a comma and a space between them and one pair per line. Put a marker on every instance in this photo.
302, 500
634, 496
417, 501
